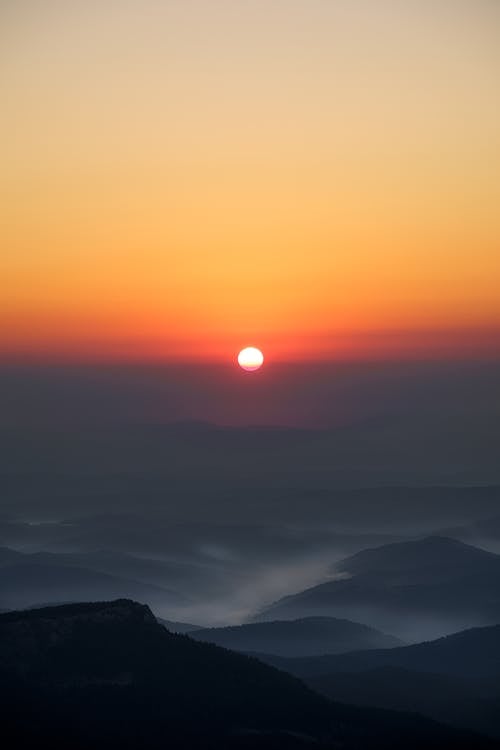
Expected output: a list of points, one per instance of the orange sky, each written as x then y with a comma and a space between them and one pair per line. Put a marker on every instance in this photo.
182, 179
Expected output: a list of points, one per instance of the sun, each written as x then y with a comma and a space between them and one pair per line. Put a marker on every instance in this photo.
250, 359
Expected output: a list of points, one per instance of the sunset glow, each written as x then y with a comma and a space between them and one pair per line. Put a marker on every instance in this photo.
168, 193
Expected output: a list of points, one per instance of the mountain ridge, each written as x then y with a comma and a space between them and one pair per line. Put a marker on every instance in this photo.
106, 674
302, 637
402, 589
474, 652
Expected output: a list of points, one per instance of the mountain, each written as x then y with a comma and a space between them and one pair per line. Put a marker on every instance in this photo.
131, 466
485, 532
25, 584
470, 703
455, 679
429, 560
416, 589
305, 637
470, 654
163, 573
179, 627
10, 556
107, 675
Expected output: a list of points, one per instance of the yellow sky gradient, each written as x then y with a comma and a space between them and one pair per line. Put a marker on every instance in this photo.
184, 178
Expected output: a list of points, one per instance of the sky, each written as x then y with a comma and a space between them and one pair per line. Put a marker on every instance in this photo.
184, 178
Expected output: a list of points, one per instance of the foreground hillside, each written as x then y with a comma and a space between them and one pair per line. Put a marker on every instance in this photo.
461, 702
107, 675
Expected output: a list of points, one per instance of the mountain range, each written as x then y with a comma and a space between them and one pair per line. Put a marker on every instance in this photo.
108, 675
24, 584
413, 589
453, 679
304, 637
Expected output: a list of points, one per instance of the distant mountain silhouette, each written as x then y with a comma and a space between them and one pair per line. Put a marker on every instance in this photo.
10, 556
455, 679
26, 584
485, 531
132, 467
428, 560
414, 589
107, 675
473, 653
305, 637
158, 572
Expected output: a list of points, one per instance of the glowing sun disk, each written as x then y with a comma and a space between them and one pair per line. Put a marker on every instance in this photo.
250, 359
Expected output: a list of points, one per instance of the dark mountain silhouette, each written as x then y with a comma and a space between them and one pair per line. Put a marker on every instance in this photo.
108, 675
485, 531
305, 637
455, 679
414, 589
461, 702
188, 558
470, 654
179, 627
10, 556
163, 573
430, 560
26, 584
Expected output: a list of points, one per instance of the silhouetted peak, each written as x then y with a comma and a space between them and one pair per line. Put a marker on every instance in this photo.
438, 542
439, 550
118, 611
